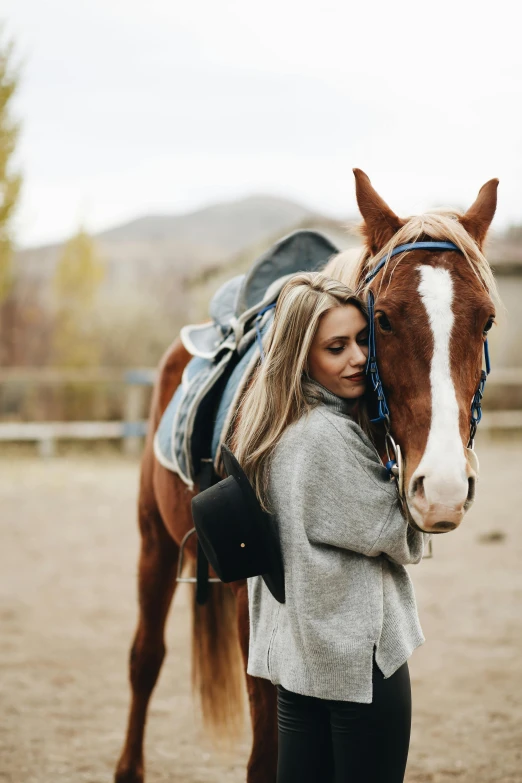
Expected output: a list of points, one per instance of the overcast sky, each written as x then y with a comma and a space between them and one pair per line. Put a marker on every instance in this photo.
147, 106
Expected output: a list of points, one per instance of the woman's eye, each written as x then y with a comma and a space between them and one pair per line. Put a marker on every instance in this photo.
383, 322
362, 339
489, 324
336, 349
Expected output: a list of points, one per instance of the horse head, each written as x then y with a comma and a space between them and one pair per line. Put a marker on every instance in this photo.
432, 309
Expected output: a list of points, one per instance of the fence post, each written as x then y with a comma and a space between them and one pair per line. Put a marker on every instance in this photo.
136, 383
133, 404
47, 447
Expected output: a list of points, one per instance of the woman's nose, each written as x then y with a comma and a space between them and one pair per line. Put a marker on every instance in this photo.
358, 355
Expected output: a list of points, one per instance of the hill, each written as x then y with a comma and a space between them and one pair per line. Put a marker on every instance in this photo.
181, 244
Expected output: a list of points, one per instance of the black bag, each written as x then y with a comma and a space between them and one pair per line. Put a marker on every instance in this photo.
238, 538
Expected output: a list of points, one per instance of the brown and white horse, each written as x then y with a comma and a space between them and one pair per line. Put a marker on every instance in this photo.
433, 309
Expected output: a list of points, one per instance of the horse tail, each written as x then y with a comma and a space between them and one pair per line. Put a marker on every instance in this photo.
217, 664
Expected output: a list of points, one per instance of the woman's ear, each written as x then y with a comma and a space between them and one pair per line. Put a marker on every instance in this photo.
380, 222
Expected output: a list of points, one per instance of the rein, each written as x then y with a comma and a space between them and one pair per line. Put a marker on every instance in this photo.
394, 463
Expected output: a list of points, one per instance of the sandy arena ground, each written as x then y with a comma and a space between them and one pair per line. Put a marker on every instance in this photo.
67, 609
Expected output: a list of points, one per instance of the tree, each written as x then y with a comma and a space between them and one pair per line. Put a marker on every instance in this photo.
78, 275
10, 180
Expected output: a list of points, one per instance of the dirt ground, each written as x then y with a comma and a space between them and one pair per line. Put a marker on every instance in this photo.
67, 609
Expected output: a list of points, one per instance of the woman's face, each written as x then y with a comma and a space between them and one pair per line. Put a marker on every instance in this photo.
337, 357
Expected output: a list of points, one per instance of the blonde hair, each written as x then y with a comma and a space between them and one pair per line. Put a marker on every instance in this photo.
443, 224
281, 392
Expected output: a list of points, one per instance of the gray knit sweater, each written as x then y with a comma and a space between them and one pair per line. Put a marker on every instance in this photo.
345, 545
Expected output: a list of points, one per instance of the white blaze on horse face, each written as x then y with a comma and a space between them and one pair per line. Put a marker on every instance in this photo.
444, 486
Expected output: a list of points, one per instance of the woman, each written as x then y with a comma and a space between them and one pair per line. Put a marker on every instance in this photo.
338, 648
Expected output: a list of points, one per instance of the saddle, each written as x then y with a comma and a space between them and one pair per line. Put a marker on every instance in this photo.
225, 352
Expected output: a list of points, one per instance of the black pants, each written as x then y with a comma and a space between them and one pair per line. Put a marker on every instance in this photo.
324, 741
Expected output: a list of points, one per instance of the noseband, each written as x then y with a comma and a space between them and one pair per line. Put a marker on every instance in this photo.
393, 451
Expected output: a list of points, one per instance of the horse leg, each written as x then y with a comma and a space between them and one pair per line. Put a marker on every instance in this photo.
262, 696
156, 584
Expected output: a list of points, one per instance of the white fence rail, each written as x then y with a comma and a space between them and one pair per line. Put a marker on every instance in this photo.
46, 433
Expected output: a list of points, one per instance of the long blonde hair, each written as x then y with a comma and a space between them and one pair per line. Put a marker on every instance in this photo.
280, 392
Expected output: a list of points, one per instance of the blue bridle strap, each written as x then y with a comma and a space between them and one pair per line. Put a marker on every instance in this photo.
371, 365
404, 249
486, 356
476, 403
372, 368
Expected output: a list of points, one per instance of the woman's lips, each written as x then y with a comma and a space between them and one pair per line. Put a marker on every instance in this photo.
359, 377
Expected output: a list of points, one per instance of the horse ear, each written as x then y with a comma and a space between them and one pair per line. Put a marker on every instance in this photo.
380, 223
477, 219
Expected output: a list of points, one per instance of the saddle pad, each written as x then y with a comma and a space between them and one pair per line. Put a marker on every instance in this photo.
199, 414
176, 442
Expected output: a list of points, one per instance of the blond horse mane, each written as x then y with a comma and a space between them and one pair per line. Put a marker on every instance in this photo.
353, 265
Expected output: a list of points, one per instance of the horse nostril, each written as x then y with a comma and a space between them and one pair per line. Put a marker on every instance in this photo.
443, 527
418, 487
471, 492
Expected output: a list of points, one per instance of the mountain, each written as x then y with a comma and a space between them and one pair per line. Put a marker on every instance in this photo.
229, 226
179, 244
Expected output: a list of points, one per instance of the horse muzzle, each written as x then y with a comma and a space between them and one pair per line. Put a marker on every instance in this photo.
438, 502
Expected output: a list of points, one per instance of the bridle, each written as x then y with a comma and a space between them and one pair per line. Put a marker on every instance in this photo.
394, 464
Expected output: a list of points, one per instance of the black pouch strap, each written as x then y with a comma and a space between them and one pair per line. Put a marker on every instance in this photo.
206, 479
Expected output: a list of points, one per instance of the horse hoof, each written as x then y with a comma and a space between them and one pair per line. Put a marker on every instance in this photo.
125, 774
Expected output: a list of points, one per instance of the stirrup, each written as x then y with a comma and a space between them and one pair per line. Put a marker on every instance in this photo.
188, 579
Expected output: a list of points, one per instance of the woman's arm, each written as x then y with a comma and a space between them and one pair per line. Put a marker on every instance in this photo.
339, 488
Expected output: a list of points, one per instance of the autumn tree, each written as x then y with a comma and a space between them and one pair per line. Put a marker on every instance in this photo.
10, 179
78, 275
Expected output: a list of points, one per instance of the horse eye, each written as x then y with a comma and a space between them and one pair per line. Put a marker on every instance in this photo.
383, 322
489, 324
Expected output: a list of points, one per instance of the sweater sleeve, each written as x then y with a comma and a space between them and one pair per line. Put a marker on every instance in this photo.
341, 491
